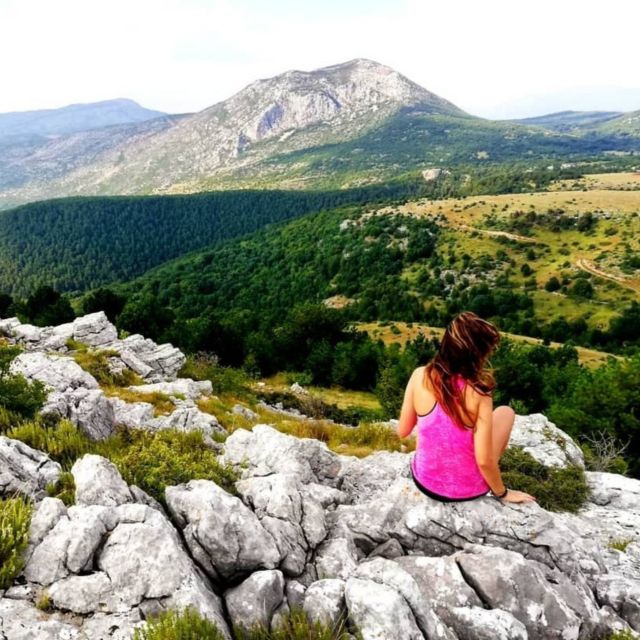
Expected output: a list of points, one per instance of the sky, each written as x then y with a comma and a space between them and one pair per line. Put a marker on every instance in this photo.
493, 58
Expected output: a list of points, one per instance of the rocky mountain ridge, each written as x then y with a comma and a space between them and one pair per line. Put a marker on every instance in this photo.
344, 538
288, 112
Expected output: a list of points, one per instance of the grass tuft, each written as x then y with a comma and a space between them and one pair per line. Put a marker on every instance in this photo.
15, 518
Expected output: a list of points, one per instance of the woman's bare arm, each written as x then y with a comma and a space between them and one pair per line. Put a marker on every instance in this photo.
408, 415
485, 457
482, 441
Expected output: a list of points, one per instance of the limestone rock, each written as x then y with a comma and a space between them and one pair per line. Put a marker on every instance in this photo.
268, 451
379, 612
506, 581
294, 520
254, 601
164, 360
387, 572
183, 388
98, 481
222, 533
549, 445
24, 470
245, 412
324, 602
187, 418
57, 373
134, 415
94, 330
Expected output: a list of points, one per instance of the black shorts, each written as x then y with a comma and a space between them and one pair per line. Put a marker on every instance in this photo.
437, 496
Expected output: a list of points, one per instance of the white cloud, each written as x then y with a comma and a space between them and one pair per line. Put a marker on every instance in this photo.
183, 55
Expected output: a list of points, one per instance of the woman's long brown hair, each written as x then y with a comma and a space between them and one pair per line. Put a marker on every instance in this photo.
467, 343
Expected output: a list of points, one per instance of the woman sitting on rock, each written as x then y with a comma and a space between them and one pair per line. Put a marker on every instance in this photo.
460, 436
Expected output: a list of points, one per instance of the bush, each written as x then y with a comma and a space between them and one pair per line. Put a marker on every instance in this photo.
153, 461
17, 394
190, 625
205, 366
149, 460
63, 442
97, 364
555, 489
186, 625
295, 626
15, 518
64, 489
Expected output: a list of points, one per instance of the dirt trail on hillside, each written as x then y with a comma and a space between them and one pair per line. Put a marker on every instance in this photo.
589, 267
491, 232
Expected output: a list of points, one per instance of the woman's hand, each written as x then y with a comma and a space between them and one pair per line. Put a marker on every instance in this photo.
517, 496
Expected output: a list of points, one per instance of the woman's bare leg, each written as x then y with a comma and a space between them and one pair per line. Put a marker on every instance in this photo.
503, 418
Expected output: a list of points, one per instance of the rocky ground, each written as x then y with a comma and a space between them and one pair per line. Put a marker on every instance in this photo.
339, 536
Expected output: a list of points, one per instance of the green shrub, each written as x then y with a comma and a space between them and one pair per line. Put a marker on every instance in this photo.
620, 545
150, 460
64, 488
96, 362
15, 518
295, 626
555, 489
153, 461
205, 366
190, 625
8, 420
63, 442
186, 625
17, 394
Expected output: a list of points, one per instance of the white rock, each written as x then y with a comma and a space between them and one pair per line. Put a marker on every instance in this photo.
98, 481
57, 373
222, 533
254, 601
549, 445
324, 602
24, 470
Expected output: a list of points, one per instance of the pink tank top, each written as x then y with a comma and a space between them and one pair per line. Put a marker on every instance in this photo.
444, 461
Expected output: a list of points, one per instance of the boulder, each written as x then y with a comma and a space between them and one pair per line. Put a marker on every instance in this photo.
120, 561
254, 601
549, 445
245, 412
222, 533
267, 451
57, 373
379, 612
98, 481
182, 388
187, 417
324, 602
163, 360
294, 520
24, 470
134, 415
505, 580
94, 330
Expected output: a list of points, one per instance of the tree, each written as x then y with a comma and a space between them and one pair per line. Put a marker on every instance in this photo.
552, 284
46, 306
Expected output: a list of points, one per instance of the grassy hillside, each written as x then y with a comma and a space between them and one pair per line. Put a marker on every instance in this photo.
413, 140
558, 264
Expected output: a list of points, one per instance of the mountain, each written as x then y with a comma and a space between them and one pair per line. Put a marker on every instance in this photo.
570, 120
341, 126
628, 124
73, 118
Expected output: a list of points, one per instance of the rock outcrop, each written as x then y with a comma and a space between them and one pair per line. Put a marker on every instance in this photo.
350, 541
75, 394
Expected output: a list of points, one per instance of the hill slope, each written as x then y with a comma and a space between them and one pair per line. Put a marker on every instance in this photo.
78, 243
